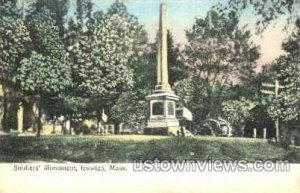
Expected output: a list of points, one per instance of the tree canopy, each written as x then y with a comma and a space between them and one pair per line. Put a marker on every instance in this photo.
218, 54
267, 11
100, 61
14, 41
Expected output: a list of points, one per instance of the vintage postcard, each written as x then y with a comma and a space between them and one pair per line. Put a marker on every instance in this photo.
149, 96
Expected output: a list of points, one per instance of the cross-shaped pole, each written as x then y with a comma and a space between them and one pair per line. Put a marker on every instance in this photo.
276, 89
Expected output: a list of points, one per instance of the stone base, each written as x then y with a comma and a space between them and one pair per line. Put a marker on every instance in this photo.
161, 130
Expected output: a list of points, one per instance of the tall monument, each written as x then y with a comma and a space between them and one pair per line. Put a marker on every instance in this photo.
162, 119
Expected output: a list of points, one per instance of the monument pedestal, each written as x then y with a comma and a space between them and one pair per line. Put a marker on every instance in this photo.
162, 119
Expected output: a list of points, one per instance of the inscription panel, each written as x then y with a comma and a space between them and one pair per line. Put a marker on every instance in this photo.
158, 108
171, 108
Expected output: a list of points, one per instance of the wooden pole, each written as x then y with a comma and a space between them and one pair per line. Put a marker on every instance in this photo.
277, 119
276, 87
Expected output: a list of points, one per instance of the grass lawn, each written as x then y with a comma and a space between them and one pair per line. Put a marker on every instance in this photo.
126, 148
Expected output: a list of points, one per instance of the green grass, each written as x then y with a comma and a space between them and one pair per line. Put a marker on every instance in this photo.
129, 148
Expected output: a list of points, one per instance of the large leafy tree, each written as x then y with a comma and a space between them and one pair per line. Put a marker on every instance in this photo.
288, 103
46, 72
218, 53
286, 106
100, 60
14, 41
101, 68
286, 70
131, 107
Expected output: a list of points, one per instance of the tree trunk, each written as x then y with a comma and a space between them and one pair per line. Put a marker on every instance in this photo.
54, 125
71, 118
117, 127
98, 117
5, 124
39, 122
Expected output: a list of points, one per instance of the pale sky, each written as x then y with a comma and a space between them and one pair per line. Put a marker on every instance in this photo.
181, 16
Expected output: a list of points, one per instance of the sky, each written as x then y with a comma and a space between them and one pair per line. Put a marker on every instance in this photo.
181, 15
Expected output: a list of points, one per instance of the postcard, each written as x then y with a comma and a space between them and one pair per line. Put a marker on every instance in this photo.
149, 96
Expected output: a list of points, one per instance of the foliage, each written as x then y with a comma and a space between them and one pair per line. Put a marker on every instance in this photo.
43, 75
84, 10
116, 64
57, 8
14, 41
287, 104
100, 60
203, 103
267, 10
218, 53
130, 108
82, 23
139, 35
14, 44
176, 68
46, 72
45, 35
237, 111
142, 66
218, 50
292, 44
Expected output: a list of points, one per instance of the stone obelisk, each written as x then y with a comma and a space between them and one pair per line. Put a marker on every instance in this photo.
162, 53
162, 119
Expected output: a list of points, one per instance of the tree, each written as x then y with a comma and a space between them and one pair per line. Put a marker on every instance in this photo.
266, 11
57, 8
14, 41
82, 23
137, 63
46, 72
292, 44
130, 108
286, 70
84, 9
286, 106
101, 61
218, 53
288, 103
139, 35
237, 112
134, 99
177, 70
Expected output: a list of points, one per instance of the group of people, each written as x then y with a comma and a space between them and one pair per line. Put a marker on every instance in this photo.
181, 132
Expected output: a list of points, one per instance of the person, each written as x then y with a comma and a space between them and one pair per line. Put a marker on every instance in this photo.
182, 131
